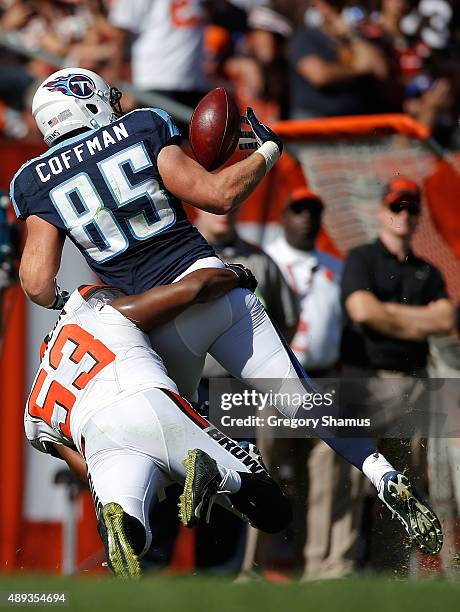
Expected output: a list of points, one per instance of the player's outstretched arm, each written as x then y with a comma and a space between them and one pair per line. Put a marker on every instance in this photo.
40, 261
163, 303
217, 193
222, 191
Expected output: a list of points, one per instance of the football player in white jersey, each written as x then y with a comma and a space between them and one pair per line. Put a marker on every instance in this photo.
103, 401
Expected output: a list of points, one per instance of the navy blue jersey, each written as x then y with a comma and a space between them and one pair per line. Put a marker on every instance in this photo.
104, 190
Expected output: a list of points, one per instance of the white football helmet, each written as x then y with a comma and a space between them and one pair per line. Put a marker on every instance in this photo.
72, 99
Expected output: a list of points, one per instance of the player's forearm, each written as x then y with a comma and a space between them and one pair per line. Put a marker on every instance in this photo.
74, 460
217, 192
39, 286
237, 182
162, 304
432, 319
156, 306
216, 285
40, 261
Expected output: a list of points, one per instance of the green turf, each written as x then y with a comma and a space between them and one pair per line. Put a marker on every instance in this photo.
203, 594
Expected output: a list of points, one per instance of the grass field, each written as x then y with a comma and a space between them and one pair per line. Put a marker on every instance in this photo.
203, 594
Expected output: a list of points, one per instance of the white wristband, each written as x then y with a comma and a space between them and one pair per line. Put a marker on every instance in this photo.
270, 152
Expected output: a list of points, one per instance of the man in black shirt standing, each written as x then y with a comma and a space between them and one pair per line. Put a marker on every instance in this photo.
393, 299
393, 302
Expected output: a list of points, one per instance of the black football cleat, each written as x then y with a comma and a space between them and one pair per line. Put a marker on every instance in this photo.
202, 479
113, 528
418, 519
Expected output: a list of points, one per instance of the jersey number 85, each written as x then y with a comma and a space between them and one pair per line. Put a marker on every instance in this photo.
93, 225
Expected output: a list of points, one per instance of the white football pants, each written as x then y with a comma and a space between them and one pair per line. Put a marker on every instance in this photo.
238, 333
134, 448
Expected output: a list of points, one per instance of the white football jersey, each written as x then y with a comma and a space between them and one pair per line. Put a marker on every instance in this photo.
93, 357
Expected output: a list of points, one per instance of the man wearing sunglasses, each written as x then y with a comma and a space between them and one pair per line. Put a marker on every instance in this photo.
393, 301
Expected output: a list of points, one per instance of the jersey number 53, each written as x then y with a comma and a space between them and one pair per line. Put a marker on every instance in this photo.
49, 399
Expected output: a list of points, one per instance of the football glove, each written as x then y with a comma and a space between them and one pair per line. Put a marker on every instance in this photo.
259, 134
245, 276
60, 300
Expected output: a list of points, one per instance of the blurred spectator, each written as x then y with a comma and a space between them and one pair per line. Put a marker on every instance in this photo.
433, 103
404, 59
431, 22
393, 299
14, 77
385, 26
99, 42
314, 276
393, 302
260, 71
76, 31
167, 46
420, 74
334, 70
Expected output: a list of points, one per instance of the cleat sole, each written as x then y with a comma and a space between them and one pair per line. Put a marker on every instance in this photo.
186, 500
423, 525
123, 561
200, 487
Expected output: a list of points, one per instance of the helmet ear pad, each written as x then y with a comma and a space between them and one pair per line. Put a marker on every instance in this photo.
72, 99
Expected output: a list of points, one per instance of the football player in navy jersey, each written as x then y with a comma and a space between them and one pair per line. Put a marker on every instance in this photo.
113, 184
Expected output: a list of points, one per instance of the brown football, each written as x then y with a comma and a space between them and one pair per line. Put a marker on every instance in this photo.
214, 128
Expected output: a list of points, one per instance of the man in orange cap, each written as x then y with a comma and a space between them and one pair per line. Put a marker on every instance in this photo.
314, 276
394, 301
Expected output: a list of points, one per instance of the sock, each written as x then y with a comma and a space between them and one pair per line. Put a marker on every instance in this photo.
231, 480
353, 450
375, 466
